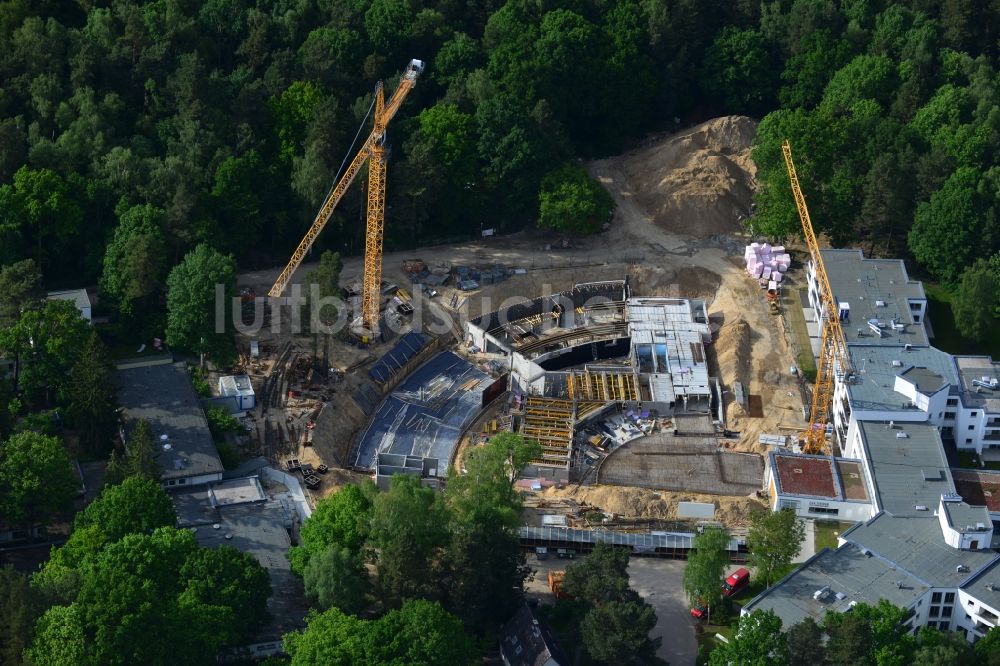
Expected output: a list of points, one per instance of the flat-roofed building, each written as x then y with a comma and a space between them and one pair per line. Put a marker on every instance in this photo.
162, 395
818, 486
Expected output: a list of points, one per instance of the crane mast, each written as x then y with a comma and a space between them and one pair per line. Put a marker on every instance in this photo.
372, 151
833, 350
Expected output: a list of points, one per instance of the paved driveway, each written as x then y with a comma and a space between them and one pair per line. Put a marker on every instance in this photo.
659, 582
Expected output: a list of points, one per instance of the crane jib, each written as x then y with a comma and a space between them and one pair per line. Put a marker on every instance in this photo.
384, 114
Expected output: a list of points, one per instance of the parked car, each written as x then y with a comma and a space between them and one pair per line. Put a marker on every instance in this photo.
699, 611
736, 582
541, 552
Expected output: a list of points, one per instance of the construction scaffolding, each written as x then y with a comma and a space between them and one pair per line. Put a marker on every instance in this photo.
602, 386
550, 422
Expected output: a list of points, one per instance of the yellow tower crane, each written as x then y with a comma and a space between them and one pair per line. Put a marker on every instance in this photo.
372, 151
833, 356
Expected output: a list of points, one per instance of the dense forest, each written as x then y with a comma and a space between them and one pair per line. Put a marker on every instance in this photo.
142, 129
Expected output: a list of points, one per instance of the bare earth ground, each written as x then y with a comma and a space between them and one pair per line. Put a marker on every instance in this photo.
675, 233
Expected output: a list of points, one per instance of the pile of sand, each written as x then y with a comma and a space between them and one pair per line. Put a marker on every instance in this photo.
632, 502
697, 183
734, 350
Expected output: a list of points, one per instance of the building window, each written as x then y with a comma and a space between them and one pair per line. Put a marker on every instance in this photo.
935, 611
972, 427
949, 597
824, 510
968, 440
949, 416
952, 402
936, 598
973, 414
932, 625
182, 481
946, 611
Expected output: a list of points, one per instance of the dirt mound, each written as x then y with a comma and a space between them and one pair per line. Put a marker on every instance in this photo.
697, 182
734, 351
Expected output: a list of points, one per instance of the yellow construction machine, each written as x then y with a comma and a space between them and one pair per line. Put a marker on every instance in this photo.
374, 152
833, 356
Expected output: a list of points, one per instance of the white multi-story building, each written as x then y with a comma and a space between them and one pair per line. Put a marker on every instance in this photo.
896, 374
924, 547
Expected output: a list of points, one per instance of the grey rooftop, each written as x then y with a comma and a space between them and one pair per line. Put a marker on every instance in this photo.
875, 289
910, 471
876, 368
845, 576
163, 396
916, 546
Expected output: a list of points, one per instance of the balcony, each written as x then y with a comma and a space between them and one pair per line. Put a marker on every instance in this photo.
986, 617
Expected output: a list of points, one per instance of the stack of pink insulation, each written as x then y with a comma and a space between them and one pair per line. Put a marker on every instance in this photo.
765, 262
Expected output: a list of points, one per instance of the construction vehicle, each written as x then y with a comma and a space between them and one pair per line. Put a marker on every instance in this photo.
833, 356
372, 151
556, 584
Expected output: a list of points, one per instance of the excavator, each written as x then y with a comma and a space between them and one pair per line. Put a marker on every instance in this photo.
372, 151
833, 357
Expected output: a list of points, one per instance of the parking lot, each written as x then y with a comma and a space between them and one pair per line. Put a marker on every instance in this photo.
659, 582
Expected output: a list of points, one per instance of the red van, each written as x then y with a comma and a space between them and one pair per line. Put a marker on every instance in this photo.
736, 582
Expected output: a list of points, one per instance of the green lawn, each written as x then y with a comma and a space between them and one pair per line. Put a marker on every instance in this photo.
826, 532
946, 336
707, 640
969, 460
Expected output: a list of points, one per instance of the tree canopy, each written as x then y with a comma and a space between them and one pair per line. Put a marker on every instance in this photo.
194, 288
774, 539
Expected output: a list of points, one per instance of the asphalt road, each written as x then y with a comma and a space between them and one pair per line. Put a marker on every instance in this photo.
659, 582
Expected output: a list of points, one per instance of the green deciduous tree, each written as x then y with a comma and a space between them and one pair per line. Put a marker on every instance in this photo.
135, 505
39, 214
192, 289
757, 641
20, 290
420, 633
342, 519
616, 625
955, 227
805, 643
155, 599
705, 567
37, 479
485, 568
134, 260
774, 539
976, 302
336, 578
47, 341
570, 201
740, 71
408, 534
20, 607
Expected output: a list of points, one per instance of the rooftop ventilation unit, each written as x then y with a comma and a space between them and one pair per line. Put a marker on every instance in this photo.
901, 435
986, 382
991, 587
920, 507
880, 304
908, 347
897, 364
961, 568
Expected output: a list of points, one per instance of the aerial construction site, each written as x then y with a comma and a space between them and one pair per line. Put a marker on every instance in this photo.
655, 363
647, 361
